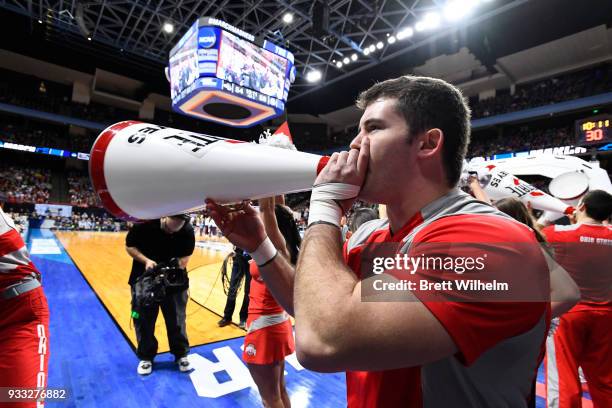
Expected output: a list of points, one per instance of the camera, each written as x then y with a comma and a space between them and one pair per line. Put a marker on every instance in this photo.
151, 287
174, 275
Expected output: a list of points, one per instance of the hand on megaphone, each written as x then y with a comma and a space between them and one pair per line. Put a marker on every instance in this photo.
337, 186
242, 227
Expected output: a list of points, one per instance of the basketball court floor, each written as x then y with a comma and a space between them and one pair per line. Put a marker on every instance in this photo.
92, 340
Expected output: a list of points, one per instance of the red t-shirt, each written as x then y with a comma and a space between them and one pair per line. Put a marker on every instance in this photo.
585, 251
15, 263
475, 327
261, 301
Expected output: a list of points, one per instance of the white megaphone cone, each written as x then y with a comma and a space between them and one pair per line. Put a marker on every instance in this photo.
503, 184
142, 171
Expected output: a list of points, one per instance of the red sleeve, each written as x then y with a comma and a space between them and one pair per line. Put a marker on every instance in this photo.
549, 233
480, 322
352, 259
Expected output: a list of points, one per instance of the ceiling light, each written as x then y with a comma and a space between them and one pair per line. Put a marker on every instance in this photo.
457, 9
379, 45
354, 57
366, 51
346, 60
391, 39
372, 48
168, 28
430, 21
288, 18
339, 64
405, 33
313, 76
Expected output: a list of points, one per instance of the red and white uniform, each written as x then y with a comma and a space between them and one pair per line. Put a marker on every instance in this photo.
24, 319
499, 343
269, 332
583, 337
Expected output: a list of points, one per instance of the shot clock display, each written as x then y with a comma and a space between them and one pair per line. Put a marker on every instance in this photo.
594, 130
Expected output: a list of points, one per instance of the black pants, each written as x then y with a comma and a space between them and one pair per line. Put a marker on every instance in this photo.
173, 308
240, 268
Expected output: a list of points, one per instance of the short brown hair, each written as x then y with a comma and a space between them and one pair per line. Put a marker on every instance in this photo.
598, 205
516, 209
428, 103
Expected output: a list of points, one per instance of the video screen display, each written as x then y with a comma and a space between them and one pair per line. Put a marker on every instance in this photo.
245, 64
184, 65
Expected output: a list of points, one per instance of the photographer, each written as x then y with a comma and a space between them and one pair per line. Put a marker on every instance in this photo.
153, 245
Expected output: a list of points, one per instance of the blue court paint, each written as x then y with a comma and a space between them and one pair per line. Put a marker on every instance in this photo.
91, 358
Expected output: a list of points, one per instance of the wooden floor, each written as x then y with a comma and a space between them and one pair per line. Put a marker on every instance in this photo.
102, 259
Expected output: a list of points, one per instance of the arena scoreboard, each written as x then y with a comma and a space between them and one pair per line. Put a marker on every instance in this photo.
594, 130
221, 73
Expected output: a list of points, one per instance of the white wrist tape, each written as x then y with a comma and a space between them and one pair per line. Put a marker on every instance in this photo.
324, 201
264, 253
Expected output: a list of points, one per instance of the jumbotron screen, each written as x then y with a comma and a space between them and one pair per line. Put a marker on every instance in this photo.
243, 63
215, 57
184, 65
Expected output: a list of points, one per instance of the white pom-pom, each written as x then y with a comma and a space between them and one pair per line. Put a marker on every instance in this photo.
280, 140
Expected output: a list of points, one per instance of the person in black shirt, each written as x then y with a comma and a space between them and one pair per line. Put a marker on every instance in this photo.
149, 244
240, 268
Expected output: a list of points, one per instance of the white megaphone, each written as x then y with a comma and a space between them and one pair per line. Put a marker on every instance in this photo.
503, 184
142, 171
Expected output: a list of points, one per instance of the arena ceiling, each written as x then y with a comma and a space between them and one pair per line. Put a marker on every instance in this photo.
127, 36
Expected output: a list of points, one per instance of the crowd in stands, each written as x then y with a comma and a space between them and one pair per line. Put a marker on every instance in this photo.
86, 222
75, 222
25, 185
20, 219
30, 92
41, 135
521, 139
587, 82
80, 191
580, 84
204, 225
